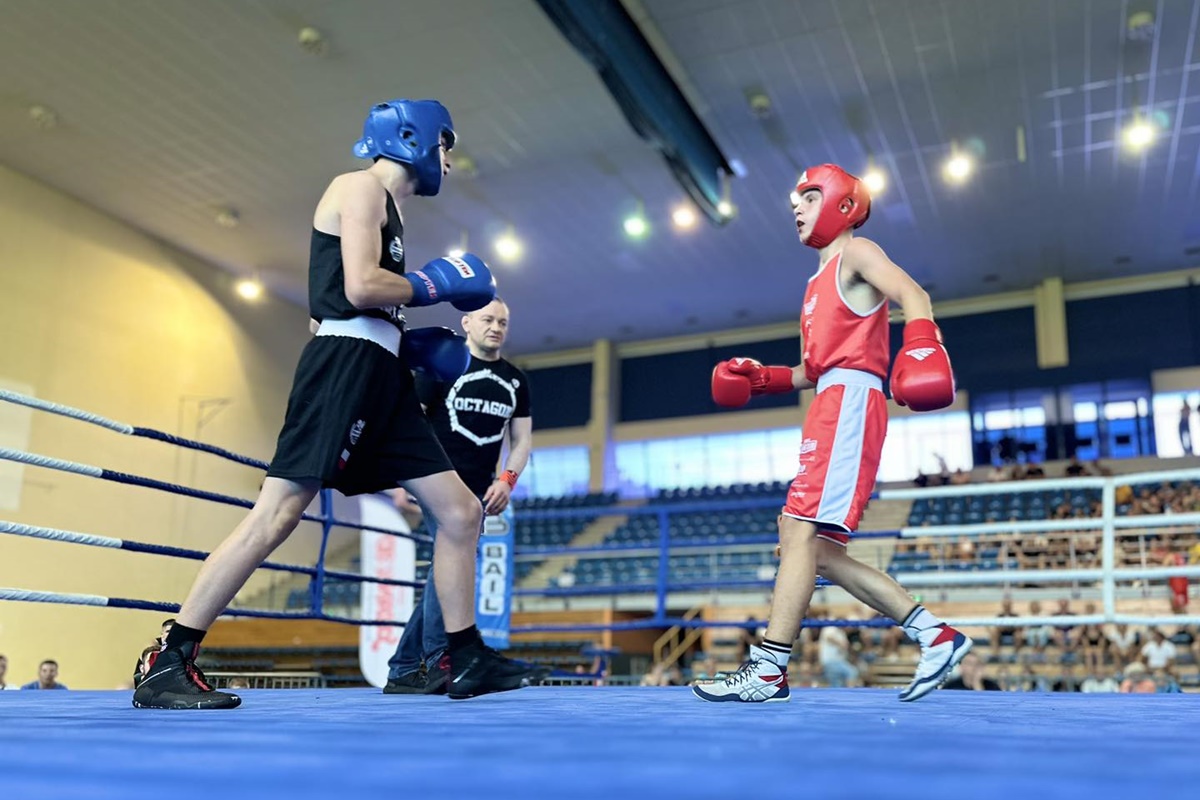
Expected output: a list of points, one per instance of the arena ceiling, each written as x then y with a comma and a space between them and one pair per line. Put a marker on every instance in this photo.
164, 113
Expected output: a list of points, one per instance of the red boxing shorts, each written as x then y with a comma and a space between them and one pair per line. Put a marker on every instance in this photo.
839, 455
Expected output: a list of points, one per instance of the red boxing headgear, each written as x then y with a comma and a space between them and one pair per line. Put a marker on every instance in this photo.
845, 203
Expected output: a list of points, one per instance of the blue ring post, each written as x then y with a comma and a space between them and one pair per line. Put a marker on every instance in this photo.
318, 585
660, 588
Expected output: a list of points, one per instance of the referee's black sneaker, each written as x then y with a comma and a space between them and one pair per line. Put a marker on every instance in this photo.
477, 669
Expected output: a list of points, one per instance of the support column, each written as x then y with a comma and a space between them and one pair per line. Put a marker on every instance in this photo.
1050, 321
606, 399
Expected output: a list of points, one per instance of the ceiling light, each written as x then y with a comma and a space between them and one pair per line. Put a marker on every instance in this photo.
726, 209
228, 217
249, 289
463, 166
456, 252
875, 180
636, 225
684, 217
312, 41
43, 117
1139, 135
958, 167
508, 247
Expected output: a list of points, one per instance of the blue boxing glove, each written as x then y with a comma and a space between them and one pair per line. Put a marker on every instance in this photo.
466, 283
439, 353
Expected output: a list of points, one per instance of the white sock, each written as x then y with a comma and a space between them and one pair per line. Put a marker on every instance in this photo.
773, 652
918, 621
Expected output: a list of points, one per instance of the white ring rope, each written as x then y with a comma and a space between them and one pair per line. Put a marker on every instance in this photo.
66, 411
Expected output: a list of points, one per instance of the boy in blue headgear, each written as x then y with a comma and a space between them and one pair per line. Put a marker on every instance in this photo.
353, 421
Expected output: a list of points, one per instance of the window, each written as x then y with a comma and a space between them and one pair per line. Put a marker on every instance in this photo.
1107, 420
556, 471
1010, 426
1171, 433
712, 460
914, 444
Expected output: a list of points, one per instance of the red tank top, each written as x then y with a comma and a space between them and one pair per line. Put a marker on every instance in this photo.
835, 335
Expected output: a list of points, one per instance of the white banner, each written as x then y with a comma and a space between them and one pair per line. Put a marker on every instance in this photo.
383, 556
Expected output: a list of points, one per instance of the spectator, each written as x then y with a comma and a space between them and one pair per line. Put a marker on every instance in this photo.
997, 474
675, 676
1093, 684
1075, 468
1164, 683
970, 676
1158, 652
1037, 636
1035, 471
834, 656
706, 670
747, 636
1184, 639
1124, 642
1066, 635
142, 665
145, 662
943, 476
238, 683
1006, 635
960, 477
1093, 642
1068, 681
1185, 429
657, 676
47, 677
1032, 682
3, 672
1137, 681
164, 629
1178, 584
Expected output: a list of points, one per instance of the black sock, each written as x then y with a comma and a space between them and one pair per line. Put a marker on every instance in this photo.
460, 639
183, 637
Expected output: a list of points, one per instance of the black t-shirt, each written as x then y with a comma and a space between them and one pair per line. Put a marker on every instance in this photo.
326, 277
471, 415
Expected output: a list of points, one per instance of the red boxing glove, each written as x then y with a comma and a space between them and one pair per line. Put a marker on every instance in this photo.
922, 378
734, 381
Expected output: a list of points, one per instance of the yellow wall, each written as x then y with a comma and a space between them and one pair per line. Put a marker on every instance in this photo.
99, 316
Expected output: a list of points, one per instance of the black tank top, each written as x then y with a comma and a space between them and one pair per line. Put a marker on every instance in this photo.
326, 279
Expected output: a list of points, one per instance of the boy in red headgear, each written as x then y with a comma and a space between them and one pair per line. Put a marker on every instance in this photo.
844, 323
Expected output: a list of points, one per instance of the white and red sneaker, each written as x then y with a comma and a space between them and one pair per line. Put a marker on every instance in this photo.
942, 647
759, 680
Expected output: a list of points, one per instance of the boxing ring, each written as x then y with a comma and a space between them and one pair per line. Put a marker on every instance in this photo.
571, 741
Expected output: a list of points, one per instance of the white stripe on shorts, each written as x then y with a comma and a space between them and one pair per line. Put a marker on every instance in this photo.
845, 457
371, 329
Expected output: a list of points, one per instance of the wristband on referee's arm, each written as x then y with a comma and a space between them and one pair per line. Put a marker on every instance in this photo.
509, 477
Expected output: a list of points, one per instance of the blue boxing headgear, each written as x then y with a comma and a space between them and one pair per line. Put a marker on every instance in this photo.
409, 131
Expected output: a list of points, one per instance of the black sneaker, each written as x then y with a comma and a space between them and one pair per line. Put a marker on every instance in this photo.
531, 674
438, 678
478, 669
174, 681
408, 683
535, 673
